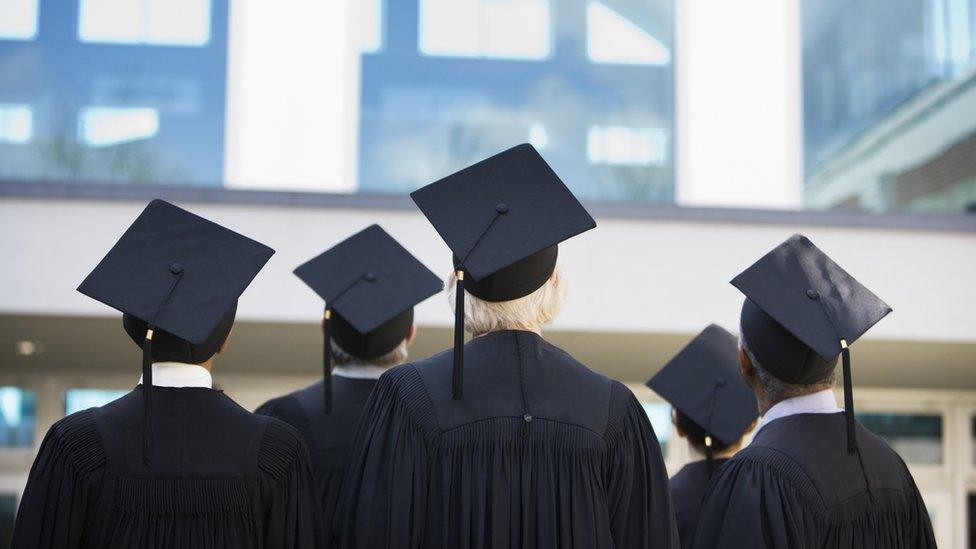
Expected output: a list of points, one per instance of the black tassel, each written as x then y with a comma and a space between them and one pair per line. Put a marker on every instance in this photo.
845, 354
709, 456
147, 382
327, 359
458, 377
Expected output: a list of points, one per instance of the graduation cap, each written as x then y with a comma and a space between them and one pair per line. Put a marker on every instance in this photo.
370, 284
801, 311
181, 275
503, 219
703, 383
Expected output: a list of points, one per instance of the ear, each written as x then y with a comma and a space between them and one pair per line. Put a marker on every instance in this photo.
412, 335
746, 370
226, 343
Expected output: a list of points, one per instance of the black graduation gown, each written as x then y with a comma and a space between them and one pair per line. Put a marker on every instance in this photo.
687, 492
328, 436
220, 477
540, 452
796, 486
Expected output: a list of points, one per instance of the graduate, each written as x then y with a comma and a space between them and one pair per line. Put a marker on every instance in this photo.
370, 285
712, 408
505, 441
173, 463
812, 475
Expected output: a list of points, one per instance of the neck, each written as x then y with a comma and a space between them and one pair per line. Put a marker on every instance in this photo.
698, 455
537, 330
208, 365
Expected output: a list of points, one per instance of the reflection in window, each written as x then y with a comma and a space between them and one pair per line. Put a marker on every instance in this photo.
622, 146
16, 123
612, 38
154, 22
76, 400
106, 126
503, 29
18, 417
18, 19
660, 415
371, 25
916, 437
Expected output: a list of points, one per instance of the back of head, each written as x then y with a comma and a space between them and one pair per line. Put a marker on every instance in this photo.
169, 348
529, 313
696, 434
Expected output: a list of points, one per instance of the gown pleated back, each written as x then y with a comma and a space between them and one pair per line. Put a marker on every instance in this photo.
540, 452
219, 477
328, 436
795, 485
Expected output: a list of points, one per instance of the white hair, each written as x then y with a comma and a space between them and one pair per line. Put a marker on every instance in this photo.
392, 358
775, 388
530, 312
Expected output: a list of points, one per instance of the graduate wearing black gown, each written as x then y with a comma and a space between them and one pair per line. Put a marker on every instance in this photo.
507, 441
712, 408
812, 475
172, 464
370, 284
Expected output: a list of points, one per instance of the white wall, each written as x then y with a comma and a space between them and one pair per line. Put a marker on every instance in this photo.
626, 275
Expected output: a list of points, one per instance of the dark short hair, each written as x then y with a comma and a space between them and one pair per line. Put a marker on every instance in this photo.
696, 434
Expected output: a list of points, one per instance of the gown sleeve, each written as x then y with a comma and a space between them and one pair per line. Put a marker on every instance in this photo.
383, 495
293, 516
640, 507
63, 486
751, 503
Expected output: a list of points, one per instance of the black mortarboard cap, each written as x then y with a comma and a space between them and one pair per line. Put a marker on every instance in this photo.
503, 219
702, 382
801, 311
178, 273
370, 285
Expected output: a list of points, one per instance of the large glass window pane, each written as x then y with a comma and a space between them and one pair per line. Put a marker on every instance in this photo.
76, 400
660, 415
18, 19
916, 437
589, 83
888, 104
157, 22
18, 417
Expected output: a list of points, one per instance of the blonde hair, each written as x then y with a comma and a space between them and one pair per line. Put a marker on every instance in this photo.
530, 312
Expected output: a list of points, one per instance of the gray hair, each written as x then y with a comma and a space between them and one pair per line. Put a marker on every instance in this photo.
530, 312
777, 390
392, 358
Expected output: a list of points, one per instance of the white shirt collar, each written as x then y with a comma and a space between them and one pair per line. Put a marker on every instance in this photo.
359, 372
178, 374
821, 402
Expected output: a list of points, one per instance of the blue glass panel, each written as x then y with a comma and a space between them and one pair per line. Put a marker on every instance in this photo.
18, 417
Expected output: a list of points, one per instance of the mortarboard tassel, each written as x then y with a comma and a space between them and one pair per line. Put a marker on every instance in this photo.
845, 354
457, 384
709, 455
327, 359
147, 381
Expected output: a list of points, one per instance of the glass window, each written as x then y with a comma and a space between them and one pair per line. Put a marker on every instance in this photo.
502, 29
916, 437
612, 38
371, 21
16, 123
18, 417
18, 19
76, 400
156, 22
887, 104
660, 415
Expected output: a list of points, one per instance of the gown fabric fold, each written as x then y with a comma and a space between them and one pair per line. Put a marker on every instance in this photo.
687, 492
329, 437
540, 452
796, 486
220, 477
